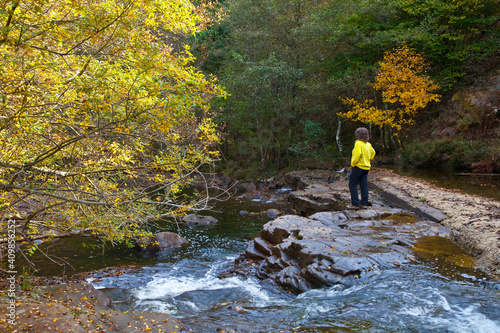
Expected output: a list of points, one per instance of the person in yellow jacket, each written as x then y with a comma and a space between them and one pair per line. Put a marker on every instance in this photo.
362, 154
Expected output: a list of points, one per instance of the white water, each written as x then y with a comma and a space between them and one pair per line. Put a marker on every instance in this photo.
417, 298
411, 300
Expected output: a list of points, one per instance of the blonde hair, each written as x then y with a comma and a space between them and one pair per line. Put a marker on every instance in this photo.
362, 134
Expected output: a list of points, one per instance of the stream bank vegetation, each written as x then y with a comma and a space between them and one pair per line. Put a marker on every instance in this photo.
103, 122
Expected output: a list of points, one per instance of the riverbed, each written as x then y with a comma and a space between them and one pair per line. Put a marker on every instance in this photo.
441, 291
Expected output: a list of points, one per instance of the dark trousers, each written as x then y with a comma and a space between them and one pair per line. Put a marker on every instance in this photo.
358, 177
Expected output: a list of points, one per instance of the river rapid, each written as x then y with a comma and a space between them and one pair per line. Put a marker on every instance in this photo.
440, 292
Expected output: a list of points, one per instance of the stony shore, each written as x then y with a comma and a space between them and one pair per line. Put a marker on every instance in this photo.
319, 242
77, 307
474, 221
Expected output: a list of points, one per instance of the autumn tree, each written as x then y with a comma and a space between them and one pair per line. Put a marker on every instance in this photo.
102, 123
405, 89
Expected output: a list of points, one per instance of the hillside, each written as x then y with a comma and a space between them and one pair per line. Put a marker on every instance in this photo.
464, 127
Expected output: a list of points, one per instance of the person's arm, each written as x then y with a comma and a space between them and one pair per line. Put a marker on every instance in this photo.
356, 154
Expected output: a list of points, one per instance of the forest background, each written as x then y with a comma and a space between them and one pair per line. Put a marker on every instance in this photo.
288, 67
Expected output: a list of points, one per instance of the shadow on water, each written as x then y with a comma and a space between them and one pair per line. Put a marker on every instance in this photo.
84, 254
81, 254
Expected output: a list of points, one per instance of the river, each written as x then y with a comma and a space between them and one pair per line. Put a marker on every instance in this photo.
441, 292
484, 185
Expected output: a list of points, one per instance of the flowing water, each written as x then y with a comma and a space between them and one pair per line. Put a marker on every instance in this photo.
442, 292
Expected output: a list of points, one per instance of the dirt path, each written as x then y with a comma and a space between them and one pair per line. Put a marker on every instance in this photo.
475, 221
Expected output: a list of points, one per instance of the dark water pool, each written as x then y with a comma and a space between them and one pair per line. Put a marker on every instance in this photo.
484, 185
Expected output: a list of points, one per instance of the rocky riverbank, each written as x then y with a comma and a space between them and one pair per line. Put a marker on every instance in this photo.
323, 244
473, 220
318, 242
73, 305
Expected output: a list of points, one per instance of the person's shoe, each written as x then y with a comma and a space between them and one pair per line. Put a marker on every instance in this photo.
352, 207
363, 207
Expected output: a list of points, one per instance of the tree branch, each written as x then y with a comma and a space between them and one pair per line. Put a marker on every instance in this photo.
9, 21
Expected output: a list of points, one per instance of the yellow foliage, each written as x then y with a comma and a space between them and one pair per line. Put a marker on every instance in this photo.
405, 88
92, 96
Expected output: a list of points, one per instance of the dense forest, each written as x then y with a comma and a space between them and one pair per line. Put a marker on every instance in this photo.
289, 66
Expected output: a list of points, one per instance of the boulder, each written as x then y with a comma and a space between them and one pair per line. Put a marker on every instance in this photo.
273, 213
331, 247
193, 219
302, 178
247, 187
314, 199
160, 242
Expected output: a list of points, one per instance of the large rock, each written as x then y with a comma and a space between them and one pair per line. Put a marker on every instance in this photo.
301, 179
247, 187
303, 253
315, 198
161, 241
273, 213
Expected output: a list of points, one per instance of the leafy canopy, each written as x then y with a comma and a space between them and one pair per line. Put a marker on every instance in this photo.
102, 122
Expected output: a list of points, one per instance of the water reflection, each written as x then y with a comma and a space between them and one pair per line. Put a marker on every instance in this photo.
443, 250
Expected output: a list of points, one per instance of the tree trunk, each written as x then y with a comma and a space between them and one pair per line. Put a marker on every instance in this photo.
337, 136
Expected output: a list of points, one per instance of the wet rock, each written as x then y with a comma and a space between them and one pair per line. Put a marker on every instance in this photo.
292, 277
294, 181
309, 202
273, 213
262, 246
160, 242
326, 249
194, 219
247, 187
303, 178
252, 253
329, 218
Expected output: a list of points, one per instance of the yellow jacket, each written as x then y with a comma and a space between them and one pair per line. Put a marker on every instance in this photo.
362, 154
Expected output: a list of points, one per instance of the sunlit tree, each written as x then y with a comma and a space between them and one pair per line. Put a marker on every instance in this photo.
405, 89
102, 123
